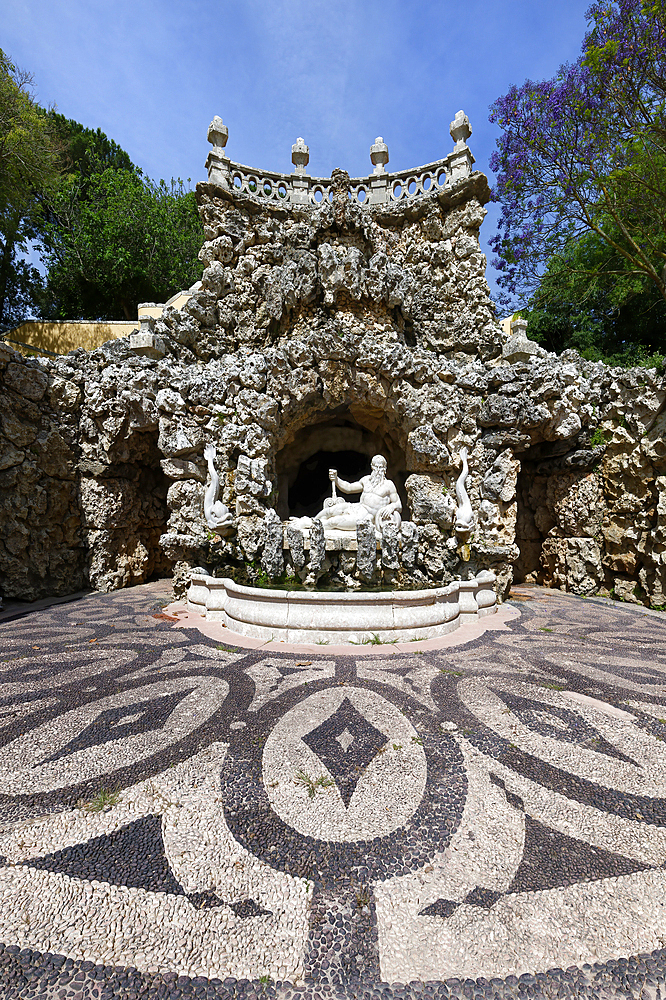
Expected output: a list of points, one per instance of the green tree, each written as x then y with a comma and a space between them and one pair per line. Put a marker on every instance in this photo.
109, 237
585, 154
582, 304
88, 151
30, 154
115, 239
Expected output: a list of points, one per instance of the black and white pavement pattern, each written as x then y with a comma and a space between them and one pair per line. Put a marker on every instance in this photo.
183, 818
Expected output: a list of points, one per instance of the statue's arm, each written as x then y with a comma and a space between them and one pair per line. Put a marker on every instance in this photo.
394, 504
394, 500
348, 487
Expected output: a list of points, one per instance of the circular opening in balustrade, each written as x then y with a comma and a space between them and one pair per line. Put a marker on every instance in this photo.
282, 191
238, 181
318, 194
397, 191
441, 180
252, 184
426, 182
411, 185
330, 195
268, 188
361, 194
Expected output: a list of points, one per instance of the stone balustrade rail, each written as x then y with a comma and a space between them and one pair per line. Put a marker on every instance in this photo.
378, 188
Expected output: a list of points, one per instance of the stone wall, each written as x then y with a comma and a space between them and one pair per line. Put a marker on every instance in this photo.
83, 494
41, 545
324, 328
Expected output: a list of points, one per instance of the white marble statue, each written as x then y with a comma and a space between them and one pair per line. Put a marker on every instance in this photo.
464, 513
379, 503
218, 516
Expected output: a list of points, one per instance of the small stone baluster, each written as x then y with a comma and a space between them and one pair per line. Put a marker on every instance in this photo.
300, 182
217, 164
317, 549
366, 549
272, 559
461, 159
379, 155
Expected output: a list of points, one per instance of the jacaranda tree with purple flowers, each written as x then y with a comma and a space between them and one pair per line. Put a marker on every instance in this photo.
583, 155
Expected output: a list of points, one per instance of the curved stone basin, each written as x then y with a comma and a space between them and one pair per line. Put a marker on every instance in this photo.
340, 617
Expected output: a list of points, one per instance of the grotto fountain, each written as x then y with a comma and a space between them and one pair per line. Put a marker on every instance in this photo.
342, 330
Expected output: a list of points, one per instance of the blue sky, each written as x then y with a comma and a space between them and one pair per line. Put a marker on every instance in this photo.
151, 74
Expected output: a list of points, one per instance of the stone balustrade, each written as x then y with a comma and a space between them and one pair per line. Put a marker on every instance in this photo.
378, 188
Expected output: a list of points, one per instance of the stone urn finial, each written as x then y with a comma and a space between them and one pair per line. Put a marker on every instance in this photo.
218, 133
379, 155
300, 155
460, 129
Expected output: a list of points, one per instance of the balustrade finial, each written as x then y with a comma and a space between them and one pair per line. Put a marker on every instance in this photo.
460, 129
379, 155
218, 133
461, 159
300, 155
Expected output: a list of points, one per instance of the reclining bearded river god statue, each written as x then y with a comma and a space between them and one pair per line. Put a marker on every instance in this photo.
379, 502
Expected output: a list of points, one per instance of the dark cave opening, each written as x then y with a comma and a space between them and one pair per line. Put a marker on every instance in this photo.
339, 443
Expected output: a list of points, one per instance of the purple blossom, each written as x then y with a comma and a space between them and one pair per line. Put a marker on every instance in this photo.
567, 142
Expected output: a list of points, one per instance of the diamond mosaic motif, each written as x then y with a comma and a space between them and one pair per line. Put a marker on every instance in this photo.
345, 743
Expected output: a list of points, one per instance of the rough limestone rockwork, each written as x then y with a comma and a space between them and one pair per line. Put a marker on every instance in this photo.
82, 492
332, 327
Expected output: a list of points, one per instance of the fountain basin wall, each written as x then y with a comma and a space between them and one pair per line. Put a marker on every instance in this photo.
341, 617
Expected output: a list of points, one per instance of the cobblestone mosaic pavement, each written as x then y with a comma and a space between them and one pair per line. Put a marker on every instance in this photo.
182, 818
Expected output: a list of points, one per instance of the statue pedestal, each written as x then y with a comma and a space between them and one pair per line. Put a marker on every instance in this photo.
335, 541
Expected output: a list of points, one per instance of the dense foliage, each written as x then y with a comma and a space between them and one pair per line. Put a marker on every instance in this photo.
29, 164
623, 324
108, 237
581, 178
116, 239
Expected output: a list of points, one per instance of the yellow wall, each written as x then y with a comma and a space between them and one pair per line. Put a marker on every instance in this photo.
506, 325
60, 337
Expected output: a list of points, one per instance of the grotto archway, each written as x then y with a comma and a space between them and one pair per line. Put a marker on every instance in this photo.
337, 441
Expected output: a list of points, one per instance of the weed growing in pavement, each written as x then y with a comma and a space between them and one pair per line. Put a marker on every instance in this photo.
374, 640
104, 799
312, 784
362, 897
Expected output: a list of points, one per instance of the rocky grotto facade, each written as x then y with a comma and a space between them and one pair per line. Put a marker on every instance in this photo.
337, 319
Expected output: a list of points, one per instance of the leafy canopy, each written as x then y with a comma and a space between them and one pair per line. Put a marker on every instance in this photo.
29, 163
108, 236
584, 154
573, 308
116, 239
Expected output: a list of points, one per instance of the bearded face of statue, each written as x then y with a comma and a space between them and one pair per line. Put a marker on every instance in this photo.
378, 470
